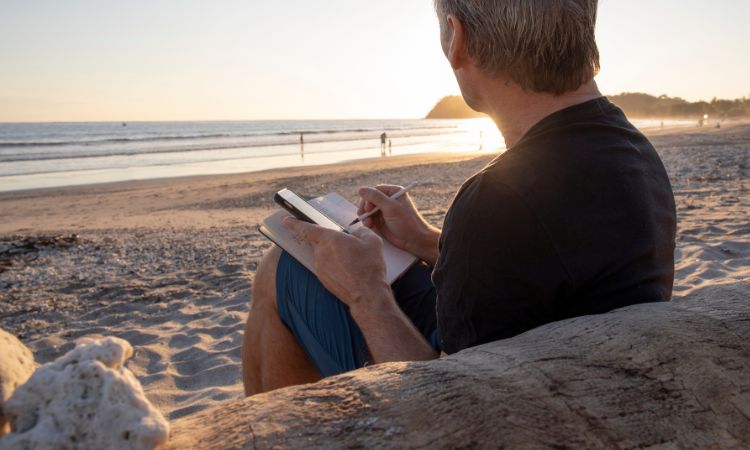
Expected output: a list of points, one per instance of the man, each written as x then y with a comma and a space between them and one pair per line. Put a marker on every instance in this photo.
576, 217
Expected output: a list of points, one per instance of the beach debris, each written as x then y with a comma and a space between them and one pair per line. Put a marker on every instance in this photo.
16, 366
86, 399
25, 247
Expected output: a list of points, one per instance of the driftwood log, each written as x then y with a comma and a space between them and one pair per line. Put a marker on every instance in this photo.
664, 375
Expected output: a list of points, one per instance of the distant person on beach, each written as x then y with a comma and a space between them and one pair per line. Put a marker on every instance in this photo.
302, 144
383, 137
577, 217
390, 147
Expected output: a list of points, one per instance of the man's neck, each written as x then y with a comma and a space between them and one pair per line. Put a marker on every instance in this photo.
516, 111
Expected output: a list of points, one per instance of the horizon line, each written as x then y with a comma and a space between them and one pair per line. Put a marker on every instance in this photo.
12, 122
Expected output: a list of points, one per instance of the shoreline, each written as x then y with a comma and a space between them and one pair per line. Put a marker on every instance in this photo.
649, 131
179, 202
301, 169
32, 158
395, 160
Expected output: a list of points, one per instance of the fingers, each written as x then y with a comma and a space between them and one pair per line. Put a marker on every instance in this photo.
364, 207
309, 232
316, 234
371, 197
369, 222
377, 198
388, 189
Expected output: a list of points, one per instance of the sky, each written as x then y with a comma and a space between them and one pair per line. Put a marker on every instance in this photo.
78, 60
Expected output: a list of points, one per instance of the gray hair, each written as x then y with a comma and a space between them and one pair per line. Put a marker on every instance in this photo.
542, 45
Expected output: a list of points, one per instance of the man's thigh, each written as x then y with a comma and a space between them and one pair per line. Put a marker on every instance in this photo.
323, 325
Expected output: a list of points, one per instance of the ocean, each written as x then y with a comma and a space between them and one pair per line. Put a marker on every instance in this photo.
48, 155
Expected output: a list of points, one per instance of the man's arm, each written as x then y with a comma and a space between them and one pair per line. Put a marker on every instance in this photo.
390, 335
352, 268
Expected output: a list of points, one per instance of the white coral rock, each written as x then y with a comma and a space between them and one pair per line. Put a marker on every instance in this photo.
85, 399
16, 366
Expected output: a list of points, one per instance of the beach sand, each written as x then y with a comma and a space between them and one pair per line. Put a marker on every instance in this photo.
168, 264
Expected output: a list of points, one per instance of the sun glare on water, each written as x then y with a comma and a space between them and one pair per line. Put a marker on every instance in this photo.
487, 134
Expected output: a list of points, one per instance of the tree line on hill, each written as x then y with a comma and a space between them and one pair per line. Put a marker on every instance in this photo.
634, 104
644, 105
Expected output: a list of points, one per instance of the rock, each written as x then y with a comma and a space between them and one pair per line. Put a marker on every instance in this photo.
16, 366
453, 107
85, 399
661, 375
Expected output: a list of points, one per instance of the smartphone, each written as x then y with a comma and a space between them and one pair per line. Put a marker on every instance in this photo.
299, 208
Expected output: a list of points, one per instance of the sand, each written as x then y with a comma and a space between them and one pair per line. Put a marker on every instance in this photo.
168, 264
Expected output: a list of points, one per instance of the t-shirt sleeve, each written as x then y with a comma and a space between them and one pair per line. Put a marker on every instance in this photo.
498, 272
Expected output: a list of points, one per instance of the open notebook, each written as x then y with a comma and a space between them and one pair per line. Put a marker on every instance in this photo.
343, 212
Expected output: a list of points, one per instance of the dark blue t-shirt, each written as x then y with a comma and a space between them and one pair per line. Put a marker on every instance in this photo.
577, 218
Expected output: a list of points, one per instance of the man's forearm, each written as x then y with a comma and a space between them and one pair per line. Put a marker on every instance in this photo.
426, 246
390, 335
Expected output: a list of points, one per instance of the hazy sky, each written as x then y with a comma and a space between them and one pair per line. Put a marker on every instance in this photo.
295, 59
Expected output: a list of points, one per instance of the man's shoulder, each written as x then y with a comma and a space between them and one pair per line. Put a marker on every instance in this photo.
555, 155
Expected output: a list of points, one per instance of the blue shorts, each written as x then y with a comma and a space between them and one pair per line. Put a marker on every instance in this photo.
323, 326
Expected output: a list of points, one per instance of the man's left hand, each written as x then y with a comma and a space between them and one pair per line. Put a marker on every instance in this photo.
350, 266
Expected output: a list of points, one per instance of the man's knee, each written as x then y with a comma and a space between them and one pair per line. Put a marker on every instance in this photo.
264, 283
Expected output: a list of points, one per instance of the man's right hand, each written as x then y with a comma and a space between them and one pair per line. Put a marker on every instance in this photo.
399, 222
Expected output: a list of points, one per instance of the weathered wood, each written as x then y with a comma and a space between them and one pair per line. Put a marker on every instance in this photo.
669, 375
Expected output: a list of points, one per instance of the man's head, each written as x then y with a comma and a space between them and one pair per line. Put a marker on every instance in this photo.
543, 46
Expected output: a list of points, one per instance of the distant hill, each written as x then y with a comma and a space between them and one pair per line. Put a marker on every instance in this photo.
634, 104
453, 107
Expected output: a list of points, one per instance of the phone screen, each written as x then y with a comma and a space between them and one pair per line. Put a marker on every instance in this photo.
297, 205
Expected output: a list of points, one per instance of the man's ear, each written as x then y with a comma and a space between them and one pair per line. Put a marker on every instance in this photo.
455, 46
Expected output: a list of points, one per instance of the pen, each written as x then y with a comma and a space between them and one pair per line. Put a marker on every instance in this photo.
398, 194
